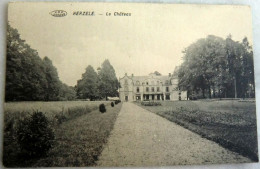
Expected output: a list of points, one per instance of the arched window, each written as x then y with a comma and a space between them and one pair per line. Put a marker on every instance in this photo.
137, 90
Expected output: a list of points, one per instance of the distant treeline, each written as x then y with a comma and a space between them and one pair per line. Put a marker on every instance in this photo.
30, 78
217, 67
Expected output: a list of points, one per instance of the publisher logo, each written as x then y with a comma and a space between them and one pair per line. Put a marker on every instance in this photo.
58, 13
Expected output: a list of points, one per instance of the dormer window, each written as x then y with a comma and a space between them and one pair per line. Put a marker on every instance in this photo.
147, 83
137, 90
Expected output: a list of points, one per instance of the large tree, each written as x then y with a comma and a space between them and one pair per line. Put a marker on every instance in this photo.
108, 83
54, 85
25, 76
87, 85
28, 77
218, 66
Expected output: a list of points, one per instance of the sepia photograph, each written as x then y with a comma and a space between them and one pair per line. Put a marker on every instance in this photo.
128, 85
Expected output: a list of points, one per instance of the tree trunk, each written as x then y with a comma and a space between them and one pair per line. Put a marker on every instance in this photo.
235, 85
209, 92
214, 91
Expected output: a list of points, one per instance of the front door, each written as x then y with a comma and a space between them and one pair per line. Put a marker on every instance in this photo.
126, 98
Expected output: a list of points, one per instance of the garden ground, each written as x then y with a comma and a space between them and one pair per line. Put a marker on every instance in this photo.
230, 123
79, 139
142, 138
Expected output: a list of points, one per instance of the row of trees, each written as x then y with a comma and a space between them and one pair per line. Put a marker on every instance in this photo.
30, 78
96, 85
217, 67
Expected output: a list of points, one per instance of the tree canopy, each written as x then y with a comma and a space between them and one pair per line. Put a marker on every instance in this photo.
99, 85
222, 67
87, 85
28, 77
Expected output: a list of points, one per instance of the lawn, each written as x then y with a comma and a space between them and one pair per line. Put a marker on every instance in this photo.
79, 139
230, 123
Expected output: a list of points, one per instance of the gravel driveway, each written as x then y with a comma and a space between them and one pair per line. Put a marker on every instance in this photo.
141, 138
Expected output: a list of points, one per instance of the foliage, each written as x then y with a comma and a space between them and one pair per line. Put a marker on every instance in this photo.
87, 85
67, 92
28, 77
222, 68
102, 108
58, 113
34, 135
112, 104
79, 142
108, 83
53, 83
150, 103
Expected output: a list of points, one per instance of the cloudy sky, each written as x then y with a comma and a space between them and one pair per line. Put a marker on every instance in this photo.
152, 38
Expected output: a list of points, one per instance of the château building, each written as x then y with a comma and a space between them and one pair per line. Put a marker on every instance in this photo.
151, 87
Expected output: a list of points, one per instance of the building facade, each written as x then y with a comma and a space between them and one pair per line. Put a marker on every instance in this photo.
151, 87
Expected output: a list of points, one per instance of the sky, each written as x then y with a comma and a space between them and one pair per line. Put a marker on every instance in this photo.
151, 39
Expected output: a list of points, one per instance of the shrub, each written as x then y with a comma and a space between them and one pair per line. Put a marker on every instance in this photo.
112, 104
60, 118
150, 103
34, 136
117, 101
102, 108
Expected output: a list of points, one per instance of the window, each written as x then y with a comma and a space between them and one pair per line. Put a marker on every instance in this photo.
158, 89
152, 89
126, 81
152, 82
147, 83
137, 83
167, 82
167, 89
147, 89
137, 89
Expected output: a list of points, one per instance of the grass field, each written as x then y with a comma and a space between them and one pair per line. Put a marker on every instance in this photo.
78, 140
230, 123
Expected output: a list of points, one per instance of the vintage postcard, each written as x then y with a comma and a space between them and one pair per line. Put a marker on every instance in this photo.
128, 84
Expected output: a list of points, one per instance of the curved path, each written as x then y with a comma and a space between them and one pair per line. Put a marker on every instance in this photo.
142, 138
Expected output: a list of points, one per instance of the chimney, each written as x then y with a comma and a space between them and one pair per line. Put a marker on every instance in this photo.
132, 75
170, 74
125, 74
